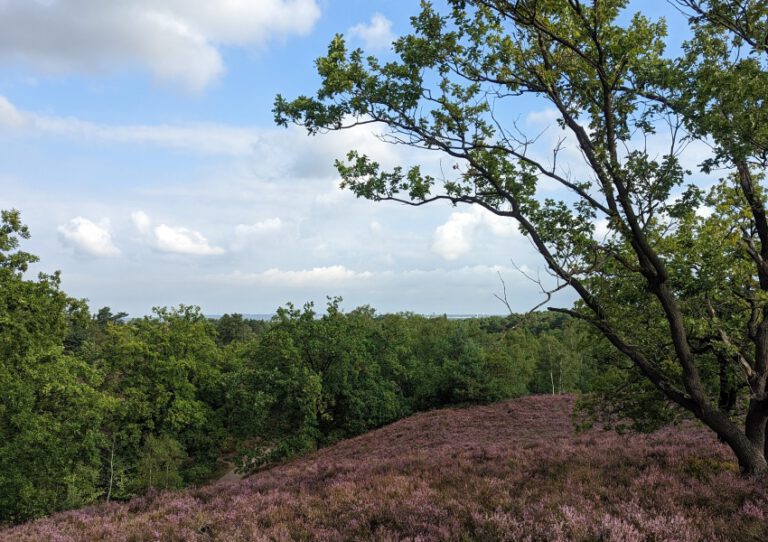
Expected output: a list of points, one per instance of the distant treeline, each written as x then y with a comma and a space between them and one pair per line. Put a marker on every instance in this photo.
97, 407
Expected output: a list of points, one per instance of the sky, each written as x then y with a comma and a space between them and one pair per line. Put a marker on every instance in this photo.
138, 142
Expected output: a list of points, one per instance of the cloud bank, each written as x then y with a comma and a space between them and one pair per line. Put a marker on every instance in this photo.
178, 41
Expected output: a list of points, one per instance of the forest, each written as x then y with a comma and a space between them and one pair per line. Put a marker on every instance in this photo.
100, 407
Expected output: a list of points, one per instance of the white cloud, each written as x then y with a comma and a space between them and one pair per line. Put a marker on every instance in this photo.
376, 35
455, 238
176, 40
173, 239
208, 138
500, 226
270, 225
342, 275
141, 221
602, 231
317, 276
87, 237
180, 240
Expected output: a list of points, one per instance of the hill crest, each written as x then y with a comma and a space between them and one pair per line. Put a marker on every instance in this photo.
509, 471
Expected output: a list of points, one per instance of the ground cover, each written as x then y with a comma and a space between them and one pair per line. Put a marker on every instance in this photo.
515, 470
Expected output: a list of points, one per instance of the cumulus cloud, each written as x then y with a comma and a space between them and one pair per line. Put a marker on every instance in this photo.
88, 238
376, 34
173, 239
499, 226
176, 40
180, 240
455, 237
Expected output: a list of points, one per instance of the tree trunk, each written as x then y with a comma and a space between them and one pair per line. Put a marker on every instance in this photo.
753, 462
552, 378
111, 469
752, 458
755, 423
765, 453
728, 392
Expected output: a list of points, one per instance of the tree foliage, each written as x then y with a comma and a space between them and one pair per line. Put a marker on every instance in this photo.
51, 411
679, 294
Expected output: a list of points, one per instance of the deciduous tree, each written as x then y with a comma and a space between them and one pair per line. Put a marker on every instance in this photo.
684, 298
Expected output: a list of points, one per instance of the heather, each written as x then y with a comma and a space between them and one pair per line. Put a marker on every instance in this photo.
514, 470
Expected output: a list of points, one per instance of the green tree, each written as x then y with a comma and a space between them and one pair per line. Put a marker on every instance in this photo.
274, 400
160, 463
165, 375
560, 358
340, 348
233, 328
50, 409
607, 78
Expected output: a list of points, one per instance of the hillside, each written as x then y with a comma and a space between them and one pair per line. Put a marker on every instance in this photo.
509, 471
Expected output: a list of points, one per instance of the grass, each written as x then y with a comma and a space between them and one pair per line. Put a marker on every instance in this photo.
509, 471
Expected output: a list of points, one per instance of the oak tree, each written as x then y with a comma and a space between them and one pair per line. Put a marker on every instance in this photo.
682, 295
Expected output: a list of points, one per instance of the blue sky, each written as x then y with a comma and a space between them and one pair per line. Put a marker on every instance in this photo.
138, 143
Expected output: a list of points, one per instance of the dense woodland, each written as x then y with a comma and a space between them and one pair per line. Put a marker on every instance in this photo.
96, 406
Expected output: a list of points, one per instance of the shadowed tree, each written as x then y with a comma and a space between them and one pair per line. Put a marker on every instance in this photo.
680, 294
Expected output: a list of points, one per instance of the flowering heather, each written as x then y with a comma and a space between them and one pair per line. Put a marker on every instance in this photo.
509, 471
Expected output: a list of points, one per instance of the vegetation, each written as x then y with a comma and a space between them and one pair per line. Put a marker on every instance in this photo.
98, 407
504, 472
680, 293
672, 318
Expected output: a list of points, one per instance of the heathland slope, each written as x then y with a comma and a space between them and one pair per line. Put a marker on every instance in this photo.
509, 471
